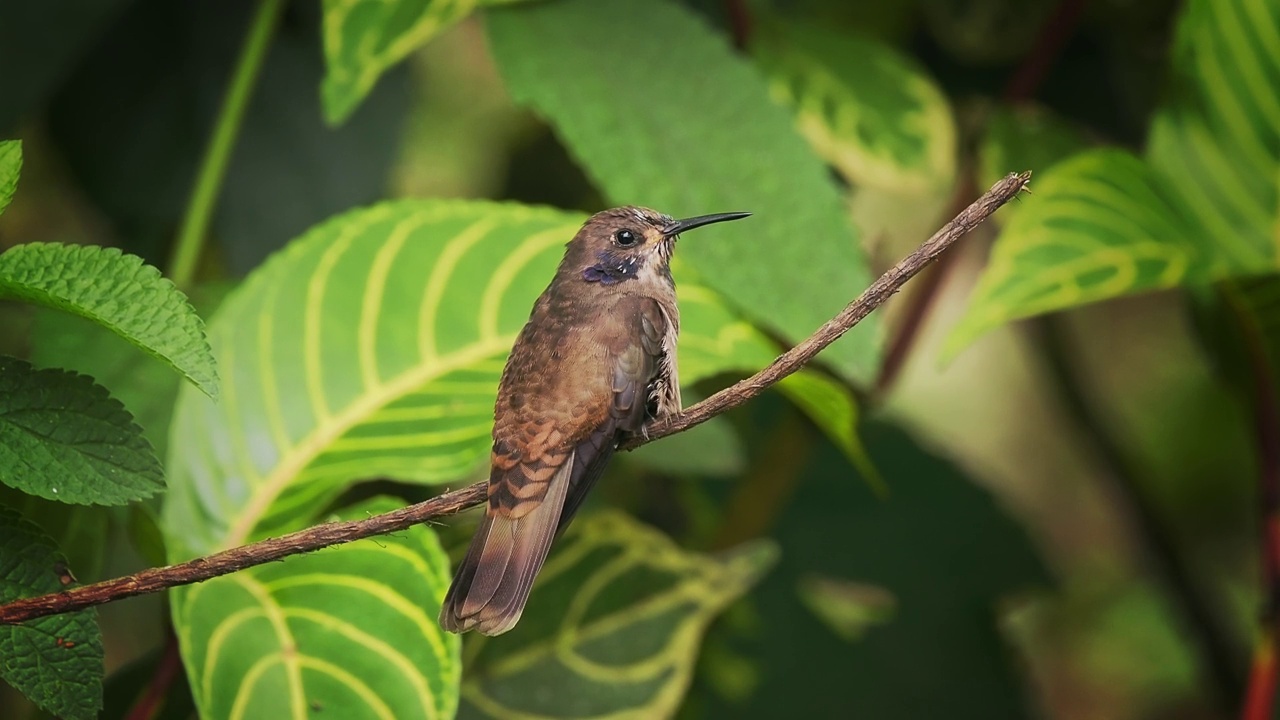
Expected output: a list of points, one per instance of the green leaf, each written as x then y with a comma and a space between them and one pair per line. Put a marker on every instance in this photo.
867, 109
365, 38
1100, 225
80, 529
346, 632
831, 406
848, 608
62, 437
1024, 137
10, 168
143, 383
652, 131
710, 449
55, 661
1205, 205
117, 291
724, 341
372, 347
1216, 139
612, 628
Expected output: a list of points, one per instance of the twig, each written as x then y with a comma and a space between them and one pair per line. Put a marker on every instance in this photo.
873, 297
334, 533
920, 301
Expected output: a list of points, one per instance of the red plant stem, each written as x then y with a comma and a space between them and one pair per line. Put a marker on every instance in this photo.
166, 671
1050, 41
739, 22
1260, 698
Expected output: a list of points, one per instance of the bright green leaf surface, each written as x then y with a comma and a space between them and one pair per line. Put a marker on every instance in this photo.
56, 661
1098, 226
62, 437
723, 342
365, 38
867, 109
348, 632
1217, 138
712, 449
372, 347
146, 386
650, 128
612, 628
143, 383
10, 168
117, 291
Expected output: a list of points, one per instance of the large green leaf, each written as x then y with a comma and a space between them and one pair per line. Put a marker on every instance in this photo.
1205, 204
867, 109
10, 168
365, 38
62, 437
612, 628
56, 661
725, 342
372, 347
119, 292
676, 121
347, 632
143, 383
1217, 137
1099, 225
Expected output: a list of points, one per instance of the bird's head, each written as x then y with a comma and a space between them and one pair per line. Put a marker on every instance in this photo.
630, 244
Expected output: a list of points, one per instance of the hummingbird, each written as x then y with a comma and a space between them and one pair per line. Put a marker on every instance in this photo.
594, 363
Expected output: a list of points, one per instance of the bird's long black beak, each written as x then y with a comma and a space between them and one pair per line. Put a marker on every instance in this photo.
680, 226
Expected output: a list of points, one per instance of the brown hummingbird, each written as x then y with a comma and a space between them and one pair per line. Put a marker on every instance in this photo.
594, 363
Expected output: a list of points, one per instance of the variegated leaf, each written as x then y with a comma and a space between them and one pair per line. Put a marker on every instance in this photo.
612, 629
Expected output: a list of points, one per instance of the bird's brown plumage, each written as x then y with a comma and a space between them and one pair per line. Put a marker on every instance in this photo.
594, 362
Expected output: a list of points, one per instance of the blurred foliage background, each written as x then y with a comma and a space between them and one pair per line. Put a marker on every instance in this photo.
1050, 506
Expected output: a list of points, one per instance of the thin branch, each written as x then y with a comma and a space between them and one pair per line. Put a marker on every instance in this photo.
334, 533
873, 297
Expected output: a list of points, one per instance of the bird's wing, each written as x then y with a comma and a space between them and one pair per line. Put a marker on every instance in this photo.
634, 371
551, 443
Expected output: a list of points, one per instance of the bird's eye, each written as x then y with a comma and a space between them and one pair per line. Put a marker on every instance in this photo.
626, 238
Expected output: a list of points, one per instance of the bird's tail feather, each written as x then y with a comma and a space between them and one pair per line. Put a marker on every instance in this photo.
493, 580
